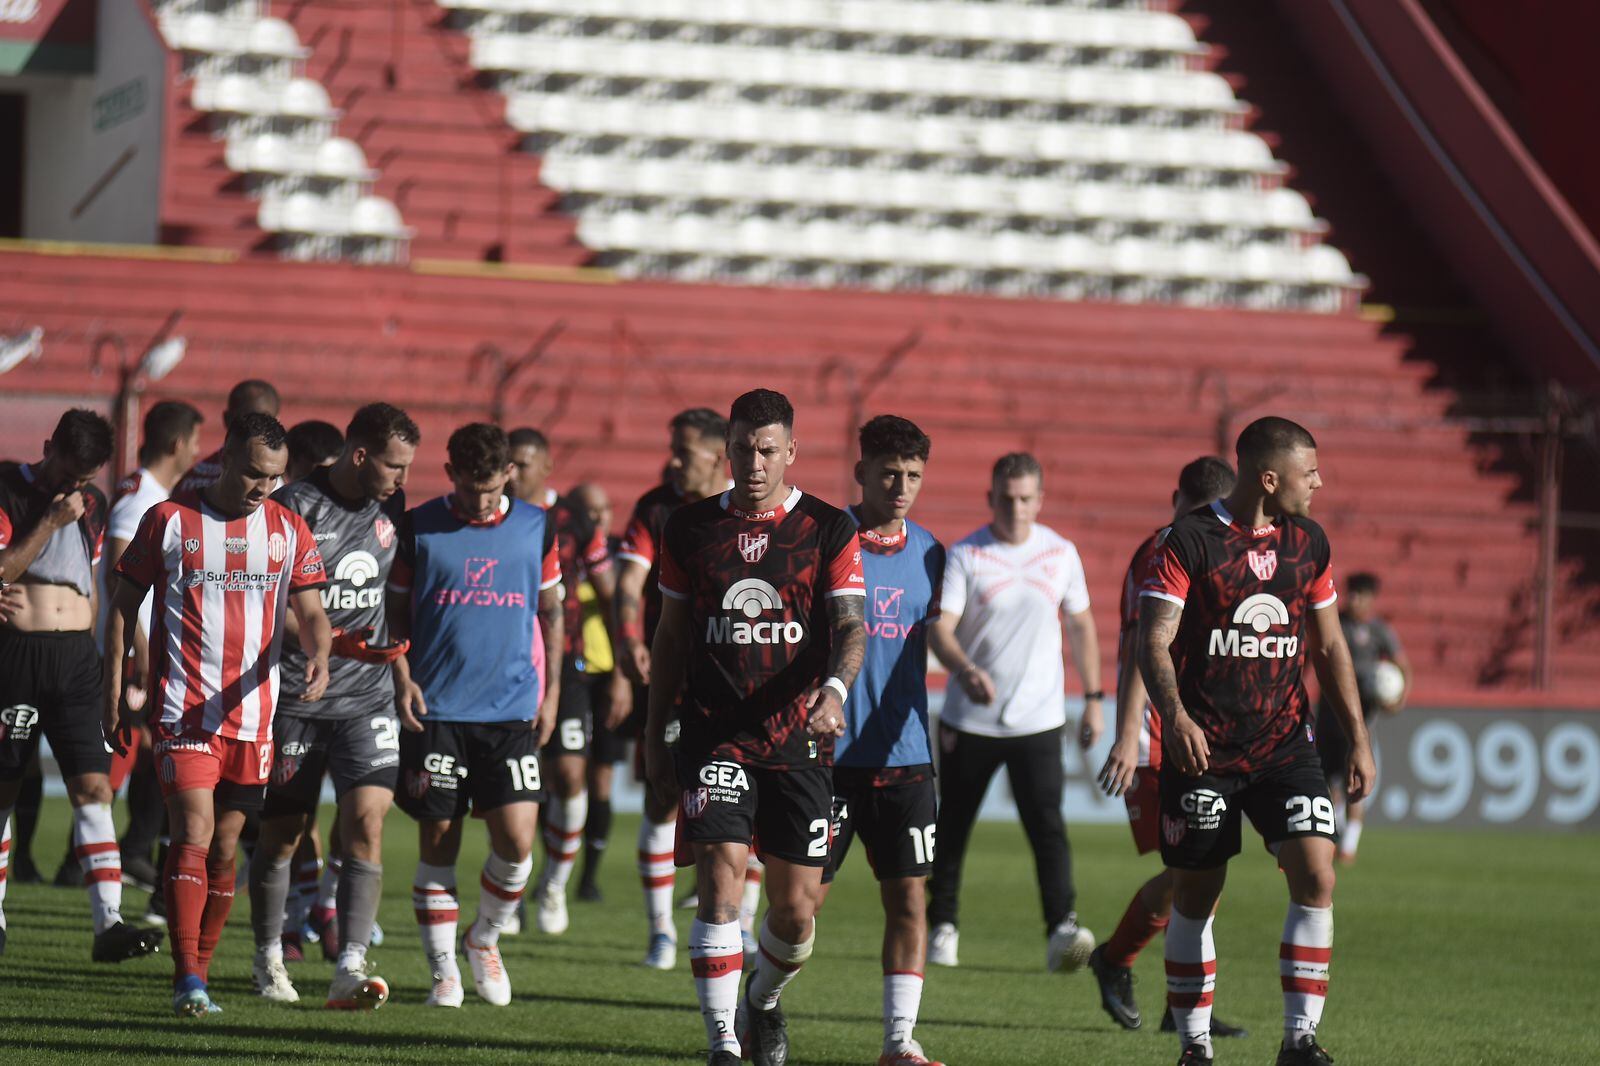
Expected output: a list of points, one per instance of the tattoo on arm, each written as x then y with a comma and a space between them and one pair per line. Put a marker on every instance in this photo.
847, 616
552, 624
1158, 627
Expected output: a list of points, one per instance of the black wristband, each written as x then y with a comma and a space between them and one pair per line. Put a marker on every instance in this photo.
1095, 695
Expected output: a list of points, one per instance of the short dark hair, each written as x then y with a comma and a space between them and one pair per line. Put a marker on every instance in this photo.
255, 426
702, 420
166, 425
373, 426
1016, 464
895, 438
1265, 439
314, 442
84, 438
253, 394
528, 437
762, 407
1206, 479
1363, 581
479, 450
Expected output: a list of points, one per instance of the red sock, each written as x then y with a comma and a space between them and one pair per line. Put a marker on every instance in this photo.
219, 900
1137, 928
186, 899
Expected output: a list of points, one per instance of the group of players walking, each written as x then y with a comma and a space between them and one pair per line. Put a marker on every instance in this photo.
771, 657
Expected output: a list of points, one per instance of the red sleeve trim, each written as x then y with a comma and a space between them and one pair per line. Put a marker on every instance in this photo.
308, 569
400, 576
140, 562
1322, 592
637, 543
844, 571
1168, 580
5, 530
674, 581
550, 571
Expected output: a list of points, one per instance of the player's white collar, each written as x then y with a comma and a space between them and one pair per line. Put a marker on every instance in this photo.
788, 505
1227, 519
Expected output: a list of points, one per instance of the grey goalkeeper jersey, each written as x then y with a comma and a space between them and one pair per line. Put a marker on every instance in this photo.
357, 540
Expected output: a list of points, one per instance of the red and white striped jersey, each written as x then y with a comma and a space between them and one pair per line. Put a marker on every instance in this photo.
221, 590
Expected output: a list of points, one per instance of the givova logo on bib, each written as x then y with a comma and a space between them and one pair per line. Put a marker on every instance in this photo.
348, 592
1260, 613
752, 597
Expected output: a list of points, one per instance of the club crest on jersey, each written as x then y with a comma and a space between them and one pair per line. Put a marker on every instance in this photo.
383, 529
191, 545
753, 546
277, 547
235, 545
1264, 564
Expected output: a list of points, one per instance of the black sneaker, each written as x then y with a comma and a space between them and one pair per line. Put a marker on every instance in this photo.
24, 871
123, 941
1307, 1053
766, 1037
1219, 1028
722, 1058
589, 892
69, 874
1116, 990
139, 872
1194, 1055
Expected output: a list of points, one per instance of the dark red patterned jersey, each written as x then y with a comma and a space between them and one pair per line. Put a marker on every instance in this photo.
1247, 595
581, 547
1132, 582
641, 543
757, 587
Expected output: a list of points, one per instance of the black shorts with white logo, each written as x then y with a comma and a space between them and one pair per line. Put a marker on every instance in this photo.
451, 767
1200, 816
355, 752
574, 716
50, 687
786, 812
893, 811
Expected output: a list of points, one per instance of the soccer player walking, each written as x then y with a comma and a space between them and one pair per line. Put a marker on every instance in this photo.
353, 509
761, 634
226, 565
52, 531
696, 470
1007, 589
1235, 594
1132, 766
883, 789
473, 572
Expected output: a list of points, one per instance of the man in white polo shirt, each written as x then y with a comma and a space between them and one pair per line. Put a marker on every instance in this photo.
1007, 589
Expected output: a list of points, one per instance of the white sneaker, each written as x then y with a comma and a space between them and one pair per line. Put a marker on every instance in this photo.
271, 979
1070, 946
663, 953
446, 992
488, 972
943, 939
357, 990
552, 916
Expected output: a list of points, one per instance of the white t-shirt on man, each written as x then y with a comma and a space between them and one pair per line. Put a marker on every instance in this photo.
136, 494
1009, 598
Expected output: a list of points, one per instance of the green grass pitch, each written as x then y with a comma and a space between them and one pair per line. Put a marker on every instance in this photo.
1451, 947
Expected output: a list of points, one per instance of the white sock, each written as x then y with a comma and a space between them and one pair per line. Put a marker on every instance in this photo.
1191, 977
352, 957
656, 872
5, 859
503, 883
328, 890
750, 902
716, 955
94, 842
1350, 838
563, 839
1303, 965
902, 998
438, 911
776, 965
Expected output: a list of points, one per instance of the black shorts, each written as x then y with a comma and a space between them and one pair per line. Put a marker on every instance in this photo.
608, 745
1200, 815
355, 752
574, 716
893, 813
50, 687
1333, 747
450, 766
786, 812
